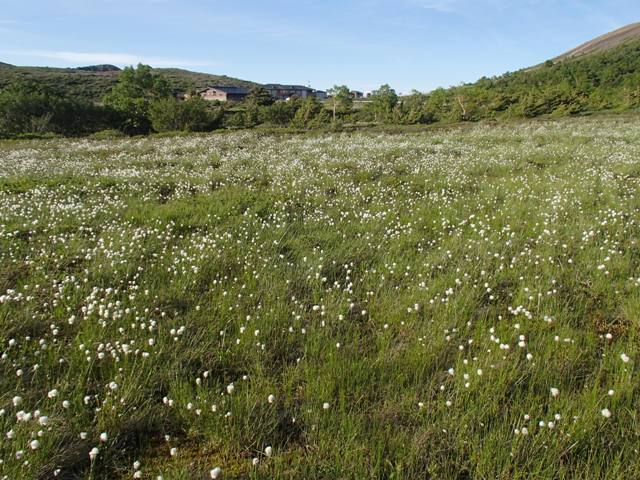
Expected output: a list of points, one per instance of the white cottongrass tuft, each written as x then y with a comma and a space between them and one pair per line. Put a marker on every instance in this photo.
93, 453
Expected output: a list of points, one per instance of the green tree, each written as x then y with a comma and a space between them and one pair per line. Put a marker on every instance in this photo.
192, 115
132, 96
414, 109
25, 108
281, 113
258, 96
340, 100
28, 107
308, 113
383, 101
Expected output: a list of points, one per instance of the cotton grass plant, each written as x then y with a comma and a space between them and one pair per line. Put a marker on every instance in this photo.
457, 304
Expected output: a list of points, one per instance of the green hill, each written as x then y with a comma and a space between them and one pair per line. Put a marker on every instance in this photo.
602, 75
182, 80
93, 82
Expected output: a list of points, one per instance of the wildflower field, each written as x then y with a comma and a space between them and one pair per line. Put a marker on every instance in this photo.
459, 304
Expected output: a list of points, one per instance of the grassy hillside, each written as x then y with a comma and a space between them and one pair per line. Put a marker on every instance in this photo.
601, 81
181, 80
93, 84
458, 305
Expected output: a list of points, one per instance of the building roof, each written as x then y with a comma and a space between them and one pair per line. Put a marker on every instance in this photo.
225, 89
278, 86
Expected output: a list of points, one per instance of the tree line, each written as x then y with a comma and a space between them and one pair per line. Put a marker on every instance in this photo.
141, 102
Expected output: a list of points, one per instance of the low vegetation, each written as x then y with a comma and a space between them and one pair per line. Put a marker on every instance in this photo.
458, 304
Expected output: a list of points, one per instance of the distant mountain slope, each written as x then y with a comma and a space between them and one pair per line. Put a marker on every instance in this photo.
100, 68
604, 42
93, 82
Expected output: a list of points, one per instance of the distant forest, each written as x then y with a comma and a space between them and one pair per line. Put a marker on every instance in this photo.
142, 100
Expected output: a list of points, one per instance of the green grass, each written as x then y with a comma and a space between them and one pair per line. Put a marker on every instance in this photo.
354, 270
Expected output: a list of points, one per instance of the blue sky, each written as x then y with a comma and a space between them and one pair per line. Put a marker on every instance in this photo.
421, 44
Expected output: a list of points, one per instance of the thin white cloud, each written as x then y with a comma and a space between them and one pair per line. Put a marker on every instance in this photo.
84, 58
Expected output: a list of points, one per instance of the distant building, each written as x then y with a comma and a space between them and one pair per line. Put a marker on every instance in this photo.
284, 92
356, 94
224, 94
320, 94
